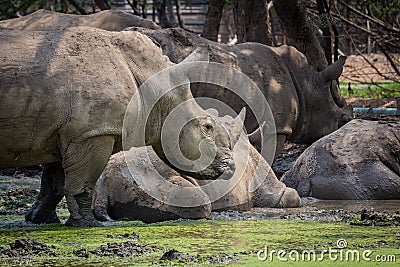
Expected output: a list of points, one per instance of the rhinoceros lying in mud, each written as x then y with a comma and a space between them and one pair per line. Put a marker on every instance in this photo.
45, 20
361, 160
117, 194
306, 104
63, 99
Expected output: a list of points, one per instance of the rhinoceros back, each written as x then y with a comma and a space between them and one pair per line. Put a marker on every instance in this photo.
61, 85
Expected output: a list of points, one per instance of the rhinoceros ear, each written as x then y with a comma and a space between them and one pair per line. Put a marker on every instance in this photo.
199, 54
255, 137
237, 126
332, 72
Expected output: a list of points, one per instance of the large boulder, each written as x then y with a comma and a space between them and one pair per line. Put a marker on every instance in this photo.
361, 160
118, 195
45, 20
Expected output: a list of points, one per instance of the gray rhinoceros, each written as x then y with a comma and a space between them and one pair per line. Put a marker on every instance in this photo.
45, 20
306, 104
118, 196
63, 99
361, 161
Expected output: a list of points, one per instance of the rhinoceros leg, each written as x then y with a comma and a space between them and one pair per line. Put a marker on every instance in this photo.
51, 193
280, 142
83, 164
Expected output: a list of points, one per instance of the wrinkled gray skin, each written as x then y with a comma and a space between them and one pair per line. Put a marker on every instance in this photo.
63, 96
360, 161
118, 196
306, 105
45, 20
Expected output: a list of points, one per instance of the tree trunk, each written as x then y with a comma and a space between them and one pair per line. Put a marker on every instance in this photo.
299, 33
160, 6
80, 9
213, 19
323, 10
178, 14
144, 12
47, 4
133, 4
171, 14
102, 4
252, 21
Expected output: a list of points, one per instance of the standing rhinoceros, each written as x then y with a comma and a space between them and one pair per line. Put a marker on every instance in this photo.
63, 99
118, 195
45, 20
306, 104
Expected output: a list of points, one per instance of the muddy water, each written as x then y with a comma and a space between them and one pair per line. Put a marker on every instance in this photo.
354, 205
315, 209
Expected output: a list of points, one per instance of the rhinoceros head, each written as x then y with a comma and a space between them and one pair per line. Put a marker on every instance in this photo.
190, 139
207, 143
329, 110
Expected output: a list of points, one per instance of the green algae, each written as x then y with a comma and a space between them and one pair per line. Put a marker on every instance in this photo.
205, 238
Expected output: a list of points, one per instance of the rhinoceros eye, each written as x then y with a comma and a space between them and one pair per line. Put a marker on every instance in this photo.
207, 130
208, 126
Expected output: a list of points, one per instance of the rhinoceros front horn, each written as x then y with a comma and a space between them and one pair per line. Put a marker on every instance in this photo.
332, 72
237, 126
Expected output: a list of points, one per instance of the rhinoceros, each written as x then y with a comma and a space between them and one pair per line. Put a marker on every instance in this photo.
306, 104
360, 161
63, 99
118, 196
45, 20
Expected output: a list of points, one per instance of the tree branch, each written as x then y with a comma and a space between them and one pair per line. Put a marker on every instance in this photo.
376, 21
389, 58
374, 35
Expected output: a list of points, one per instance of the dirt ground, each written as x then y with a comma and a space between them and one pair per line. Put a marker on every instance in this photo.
357, 69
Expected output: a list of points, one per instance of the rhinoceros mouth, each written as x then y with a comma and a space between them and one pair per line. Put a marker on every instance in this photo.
216, 171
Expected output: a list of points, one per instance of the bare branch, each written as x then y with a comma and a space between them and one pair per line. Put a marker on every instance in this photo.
373, 66
389, 58
380, 38
375, 20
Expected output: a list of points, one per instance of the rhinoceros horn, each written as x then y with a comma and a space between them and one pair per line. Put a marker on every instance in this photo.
332, 72
235, 126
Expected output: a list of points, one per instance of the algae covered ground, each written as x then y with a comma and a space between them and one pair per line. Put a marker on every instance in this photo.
262, 242
306, 236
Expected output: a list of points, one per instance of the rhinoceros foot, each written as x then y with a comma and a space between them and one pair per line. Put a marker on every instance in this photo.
41, 213
81, 214
101, 214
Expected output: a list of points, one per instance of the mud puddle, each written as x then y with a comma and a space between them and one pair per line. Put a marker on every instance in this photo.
386, 211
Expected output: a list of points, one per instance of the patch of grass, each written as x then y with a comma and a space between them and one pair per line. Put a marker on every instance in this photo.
205, 238
371, 90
